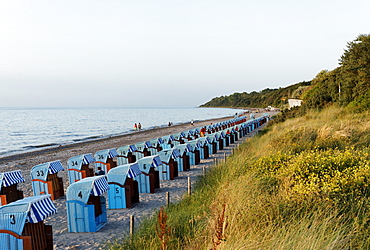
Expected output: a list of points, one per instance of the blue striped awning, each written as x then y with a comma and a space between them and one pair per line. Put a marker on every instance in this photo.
160, 140
147, 145
100, 186
188, 148
132, 148
175, 153
208, 140
156, 162
88, 159
112, 153
55, 167
11, 178
134, 171
40, 210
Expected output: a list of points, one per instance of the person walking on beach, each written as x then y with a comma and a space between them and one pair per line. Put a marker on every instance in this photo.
135, 127
192, 122
139, 126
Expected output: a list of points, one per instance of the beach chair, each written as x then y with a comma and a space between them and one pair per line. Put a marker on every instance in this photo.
235, 132
212, 144
86, 206
225, 137
45, 180
183, 161
126, 154
150, 166
123, 189
187, 136
78, 167
8, 187
204, 147
168, 141
239, 130
22, 224
142, 149
155, 146
195, 133
105, 159
169, 161
194, 154
228, 139
219, 140
178, 138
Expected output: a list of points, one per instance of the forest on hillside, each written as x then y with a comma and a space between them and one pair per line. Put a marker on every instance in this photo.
348, 85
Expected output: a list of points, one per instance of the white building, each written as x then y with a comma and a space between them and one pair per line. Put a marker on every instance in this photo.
294, 103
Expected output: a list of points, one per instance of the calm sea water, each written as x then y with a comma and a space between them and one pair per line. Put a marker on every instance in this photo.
23, 130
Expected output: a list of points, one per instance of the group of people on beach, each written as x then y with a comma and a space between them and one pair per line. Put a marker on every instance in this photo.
137, 126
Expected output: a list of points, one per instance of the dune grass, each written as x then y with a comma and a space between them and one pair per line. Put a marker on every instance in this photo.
301, 184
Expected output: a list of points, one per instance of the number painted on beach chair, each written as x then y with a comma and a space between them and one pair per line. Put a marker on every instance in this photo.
12, 219
39, 173
80, 194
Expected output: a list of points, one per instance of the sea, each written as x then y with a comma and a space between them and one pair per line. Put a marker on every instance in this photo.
28, 129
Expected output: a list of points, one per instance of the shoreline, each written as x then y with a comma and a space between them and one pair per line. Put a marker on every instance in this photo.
5, 161
61, 147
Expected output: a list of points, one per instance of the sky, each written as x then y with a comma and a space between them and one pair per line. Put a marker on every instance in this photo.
166, 53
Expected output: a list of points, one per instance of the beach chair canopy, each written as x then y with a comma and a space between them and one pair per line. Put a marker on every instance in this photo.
167, 154
124, 150
103, 155
217, 136
156, 142
140, 146
43, 170
178, 136
194, 144
120, 173
201, 141
220, 134
76, 162
10, 178
148, 162
187, 133
184, 148
168, 138
81, 190
209, 138
195, 131
13, 216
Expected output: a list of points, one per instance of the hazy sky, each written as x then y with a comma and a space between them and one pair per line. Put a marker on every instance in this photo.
142, 53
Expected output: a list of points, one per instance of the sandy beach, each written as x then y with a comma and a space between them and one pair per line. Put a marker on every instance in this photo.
118, 220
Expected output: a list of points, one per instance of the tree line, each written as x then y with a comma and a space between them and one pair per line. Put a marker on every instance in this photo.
348, 85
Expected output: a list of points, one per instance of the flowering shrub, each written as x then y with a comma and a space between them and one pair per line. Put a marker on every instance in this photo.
332, 174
